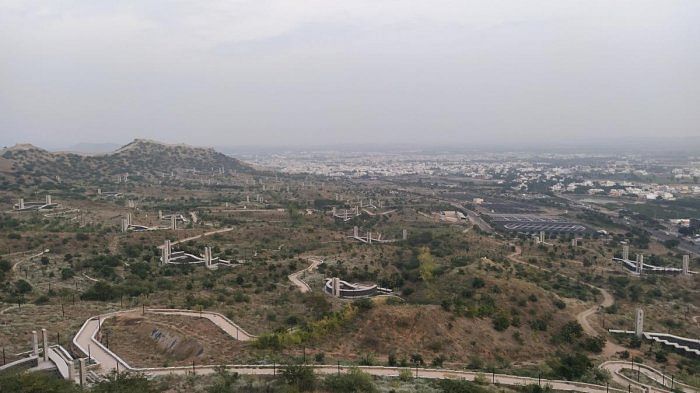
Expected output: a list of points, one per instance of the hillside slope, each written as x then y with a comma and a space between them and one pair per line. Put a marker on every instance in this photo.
141, 159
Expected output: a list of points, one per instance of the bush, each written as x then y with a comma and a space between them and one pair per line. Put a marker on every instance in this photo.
126, 383
501, 322
405, 375
354, 381
67, 273
23, 286
571, 366
35, 383
101, 291
459, 386
300, 376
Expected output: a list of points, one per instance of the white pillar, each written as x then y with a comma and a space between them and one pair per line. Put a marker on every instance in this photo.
35, 344
541, 236
369, 237
404, 235
128, 218
333, 211
125, 225
83, 372
45, 344
207, 257
626, 252
574, 242
336, 287
173, 222
21, 203
686, 265
166, 251
640, 263
48, 199
355, 231
99, 191
639, 323
71, 370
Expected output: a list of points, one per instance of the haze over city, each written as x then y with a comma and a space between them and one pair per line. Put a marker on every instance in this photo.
306, 73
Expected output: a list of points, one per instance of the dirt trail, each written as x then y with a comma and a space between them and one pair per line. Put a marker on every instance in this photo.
582, 317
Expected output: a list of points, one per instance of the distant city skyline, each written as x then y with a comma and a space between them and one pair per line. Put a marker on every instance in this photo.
325, 73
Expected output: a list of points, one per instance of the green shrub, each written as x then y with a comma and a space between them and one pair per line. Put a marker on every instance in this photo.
300, 376
354, 381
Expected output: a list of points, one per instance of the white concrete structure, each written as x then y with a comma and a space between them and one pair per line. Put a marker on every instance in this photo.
686, 265
45, 345
626, 252
336, 286
640, 264
35, 344
639, 323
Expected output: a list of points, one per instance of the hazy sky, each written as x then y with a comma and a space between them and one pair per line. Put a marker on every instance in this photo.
227, 73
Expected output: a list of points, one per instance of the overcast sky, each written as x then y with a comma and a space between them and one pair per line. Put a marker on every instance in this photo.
295, 72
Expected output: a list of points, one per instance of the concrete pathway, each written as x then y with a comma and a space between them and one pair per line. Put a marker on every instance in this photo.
615, 368
85, 340
294, 277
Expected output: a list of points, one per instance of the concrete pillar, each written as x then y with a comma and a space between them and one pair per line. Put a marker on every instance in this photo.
626, 252
125, 225
35, 344
686, 265
166, 251
404, 234
247, 198
355, 232
640, 263
369, 237
333, 211
160, 214
71, 370
541, 236
574, 242
82, 372
99, 191
207, 257
361, 203
639, 323
45, 344
48, 199
21, 203
173, 222
336, 287
128, 218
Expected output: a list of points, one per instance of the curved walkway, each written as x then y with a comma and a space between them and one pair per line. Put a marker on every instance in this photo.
86, 341
615, 368
294, 277
187, 239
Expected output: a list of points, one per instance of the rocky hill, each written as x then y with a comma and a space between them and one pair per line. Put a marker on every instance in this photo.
141, 160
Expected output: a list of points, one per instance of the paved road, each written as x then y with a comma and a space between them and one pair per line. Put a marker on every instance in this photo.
294, 277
